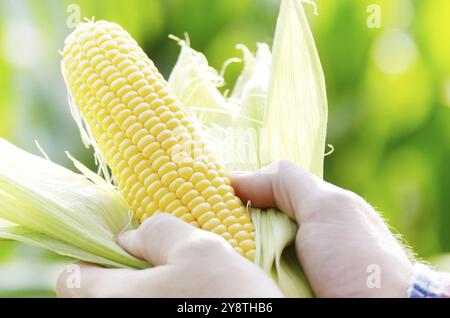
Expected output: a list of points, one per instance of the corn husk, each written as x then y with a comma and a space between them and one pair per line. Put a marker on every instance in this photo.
297, 103
74, 214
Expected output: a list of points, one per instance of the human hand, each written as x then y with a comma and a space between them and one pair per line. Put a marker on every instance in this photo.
188, 262
341, 240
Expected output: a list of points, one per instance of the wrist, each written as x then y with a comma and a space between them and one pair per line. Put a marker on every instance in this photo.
394, 283
428, 283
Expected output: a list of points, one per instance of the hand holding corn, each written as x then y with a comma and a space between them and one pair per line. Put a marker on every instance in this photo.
339, 236
189, 262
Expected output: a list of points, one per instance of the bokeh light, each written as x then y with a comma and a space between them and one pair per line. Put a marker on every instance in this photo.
446, 92
22, 43
394, 51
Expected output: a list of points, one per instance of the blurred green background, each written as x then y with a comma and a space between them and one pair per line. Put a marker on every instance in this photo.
388, 90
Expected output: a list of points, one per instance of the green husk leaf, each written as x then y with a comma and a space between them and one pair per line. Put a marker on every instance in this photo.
30, 237
48, 199
250, 90
290, 276
275, 234
297, 102
196, 84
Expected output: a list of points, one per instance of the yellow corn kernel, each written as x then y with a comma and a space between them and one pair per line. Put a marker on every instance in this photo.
151, 144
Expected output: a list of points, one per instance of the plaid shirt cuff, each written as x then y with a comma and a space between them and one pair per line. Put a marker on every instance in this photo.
427, 283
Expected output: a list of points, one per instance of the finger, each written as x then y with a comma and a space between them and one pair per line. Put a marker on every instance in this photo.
98, 282
283, 185
88, 280
255, 187
157, 238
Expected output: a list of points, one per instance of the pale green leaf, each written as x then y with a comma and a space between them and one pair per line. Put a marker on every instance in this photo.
52, 200
21, 234
297, 102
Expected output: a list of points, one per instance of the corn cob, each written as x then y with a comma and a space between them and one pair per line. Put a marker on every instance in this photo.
156, 153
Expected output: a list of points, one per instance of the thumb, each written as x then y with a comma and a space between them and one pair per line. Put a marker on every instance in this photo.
156, 238
282, 184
